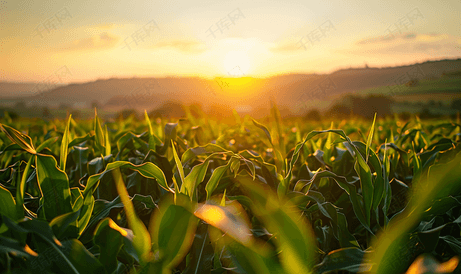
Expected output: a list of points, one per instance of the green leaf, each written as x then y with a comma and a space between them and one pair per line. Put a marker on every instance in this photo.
366, 181
147, 170
142, 239
70, 256
66, 225
46, 144
350, 189
85, 213
193, 179
364, 173
247, 260
201, 253
346, 259
387, 193
279, 156
153, 139
295, 238
455, 244
125, 140
77, 257
98, 133
109, 237
79, 140
223, 200
21, 188
77, 198
170, 134
192, 153
18, 138
370, 138
328, 147
7, 203
54, 186
172, 230
178, 166
417, 167
8, 245
216, 176
65, 145
345, 238
264, 128
440, 181
106, 141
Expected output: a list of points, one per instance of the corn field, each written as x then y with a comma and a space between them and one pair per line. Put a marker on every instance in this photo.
200, 195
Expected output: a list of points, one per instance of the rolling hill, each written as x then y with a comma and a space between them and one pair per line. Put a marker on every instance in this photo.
291, 90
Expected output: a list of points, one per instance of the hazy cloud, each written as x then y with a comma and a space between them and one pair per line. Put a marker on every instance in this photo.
102, 41
401, 37
411, 43
187, 46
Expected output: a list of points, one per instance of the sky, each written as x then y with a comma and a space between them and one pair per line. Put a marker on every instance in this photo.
78, 41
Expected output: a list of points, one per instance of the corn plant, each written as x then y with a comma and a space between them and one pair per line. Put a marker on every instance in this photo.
199, 195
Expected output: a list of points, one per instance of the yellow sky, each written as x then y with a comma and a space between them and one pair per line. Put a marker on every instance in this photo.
102, 39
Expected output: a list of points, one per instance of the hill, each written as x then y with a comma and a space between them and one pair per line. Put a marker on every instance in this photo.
293, 90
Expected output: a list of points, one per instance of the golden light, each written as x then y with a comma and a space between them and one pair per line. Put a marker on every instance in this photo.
114, 226
213, 215
232, 224
428, 264
30, 251
236, 63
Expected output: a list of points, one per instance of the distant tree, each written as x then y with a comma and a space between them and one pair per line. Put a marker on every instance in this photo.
76, 114
361, 106
313, 115
21, 105
426, 113
95, 104
367, 106
46, 113
405, 116
339, 110
456, 104
64, 106
124, 114
169, 109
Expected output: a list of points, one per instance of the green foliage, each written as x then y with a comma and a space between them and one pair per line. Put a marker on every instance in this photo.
201, 196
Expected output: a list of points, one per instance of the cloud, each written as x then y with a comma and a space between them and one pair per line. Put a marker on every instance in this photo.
102, 41
187, 46
408, 43
402, 37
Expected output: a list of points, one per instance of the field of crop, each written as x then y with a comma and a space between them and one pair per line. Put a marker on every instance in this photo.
429, 88
199, 195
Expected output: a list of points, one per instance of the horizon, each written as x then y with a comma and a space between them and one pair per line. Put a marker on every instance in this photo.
229, 77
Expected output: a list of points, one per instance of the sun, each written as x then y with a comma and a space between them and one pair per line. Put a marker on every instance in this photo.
236, 64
